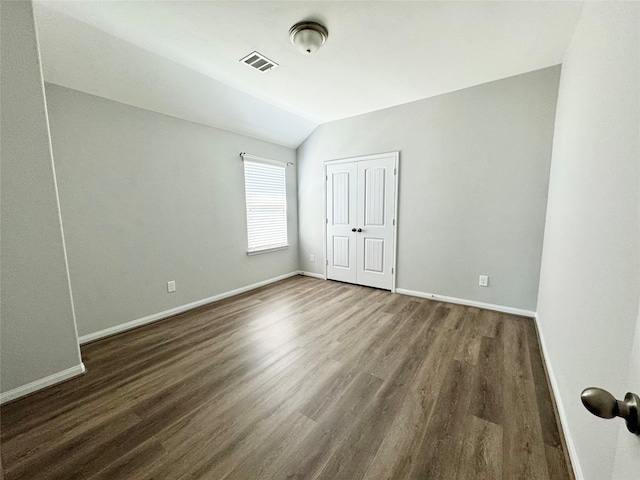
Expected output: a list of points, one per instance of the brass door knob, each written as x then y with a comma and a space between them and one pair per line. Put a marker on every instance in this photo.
602, 404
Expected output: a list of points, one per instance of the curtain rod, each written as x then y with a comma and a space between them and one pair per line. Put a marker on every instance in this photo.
255, 157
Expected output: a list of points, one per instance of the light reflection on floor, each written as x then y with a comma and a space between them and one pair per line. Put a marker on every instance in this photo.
270, 340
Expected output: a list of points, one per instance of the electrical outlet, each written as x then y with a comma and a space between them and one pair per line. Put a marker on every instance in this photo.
171, 286
312, 257
483, 281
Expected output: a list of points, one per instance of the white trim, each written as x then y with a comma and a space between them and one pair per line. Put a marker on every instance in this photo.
325, 221
469, 303
396, 174
314, 275
176, 310
261, 250
571, 447
271, 161
362, 157
42, 383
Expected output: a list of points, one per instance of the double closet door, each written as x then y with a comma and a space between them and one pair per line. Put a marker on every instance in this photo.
361, 208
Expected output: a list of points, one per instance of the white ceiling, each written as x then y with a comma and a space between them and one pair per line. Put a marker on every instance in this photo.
378, 54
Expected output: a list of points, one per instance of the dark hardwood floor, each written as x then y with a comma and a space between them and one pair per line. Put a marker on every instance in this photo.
300, 379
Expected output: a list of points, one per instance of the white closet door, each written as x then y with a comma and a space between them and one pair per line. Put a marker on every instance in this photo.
361, 197
341, 221
375, 218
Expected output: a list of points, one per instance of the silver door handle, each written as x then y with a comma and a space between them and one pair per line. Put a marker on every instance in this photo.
602, 404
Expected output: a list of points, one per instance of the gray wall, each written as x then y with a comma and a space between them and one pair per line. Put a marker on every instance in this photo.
36, 315
589, 283
148, 198
474, 169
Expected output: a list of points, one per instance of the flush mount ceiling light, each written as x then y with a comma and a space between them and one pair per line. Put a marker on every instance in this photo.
308, 37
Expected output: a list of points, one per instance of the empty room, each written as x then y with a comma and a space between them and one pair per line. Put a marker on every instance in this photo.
319, 240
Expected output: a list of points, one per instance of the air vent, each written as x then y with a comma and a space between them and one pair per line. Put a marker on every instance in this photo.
259, 62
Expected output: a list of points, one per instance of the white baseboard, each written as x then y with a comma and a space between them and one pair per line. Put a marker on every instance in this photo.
469, 303
314, 275
174, 311
42, 383
571, 447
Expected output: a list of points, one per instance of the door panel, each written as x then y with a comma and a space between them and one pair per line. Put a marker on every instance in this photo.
374, 255
341, 252
374, 184
341, 219
375, 213
341, 198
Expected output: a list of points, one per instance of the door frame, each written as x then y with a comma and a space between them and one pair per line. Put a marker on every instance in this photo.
396, 157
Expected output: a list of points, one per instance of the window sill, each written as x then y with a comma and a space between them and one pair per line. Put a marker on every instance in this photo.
267, 250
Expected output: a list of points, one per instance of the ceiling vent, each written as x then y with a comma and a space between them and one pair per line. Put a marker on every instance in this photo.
259, 62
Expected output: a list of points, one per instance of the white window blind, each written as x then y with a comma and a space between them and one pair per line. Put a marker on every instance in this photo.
266, 196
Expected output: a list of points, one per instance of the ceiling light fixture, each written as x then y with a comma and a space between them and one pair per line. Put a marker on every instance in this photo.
308, 37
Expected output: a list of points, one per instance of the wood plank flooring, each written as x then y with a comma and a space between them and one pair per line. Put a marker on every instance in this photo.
297, 380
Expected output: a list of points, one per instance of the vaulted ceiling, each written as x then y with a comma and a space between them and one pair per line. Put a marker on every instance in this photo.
181, 58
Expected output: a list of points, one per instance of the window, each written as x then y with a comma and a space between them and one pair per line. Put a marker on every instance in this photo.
266, 196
